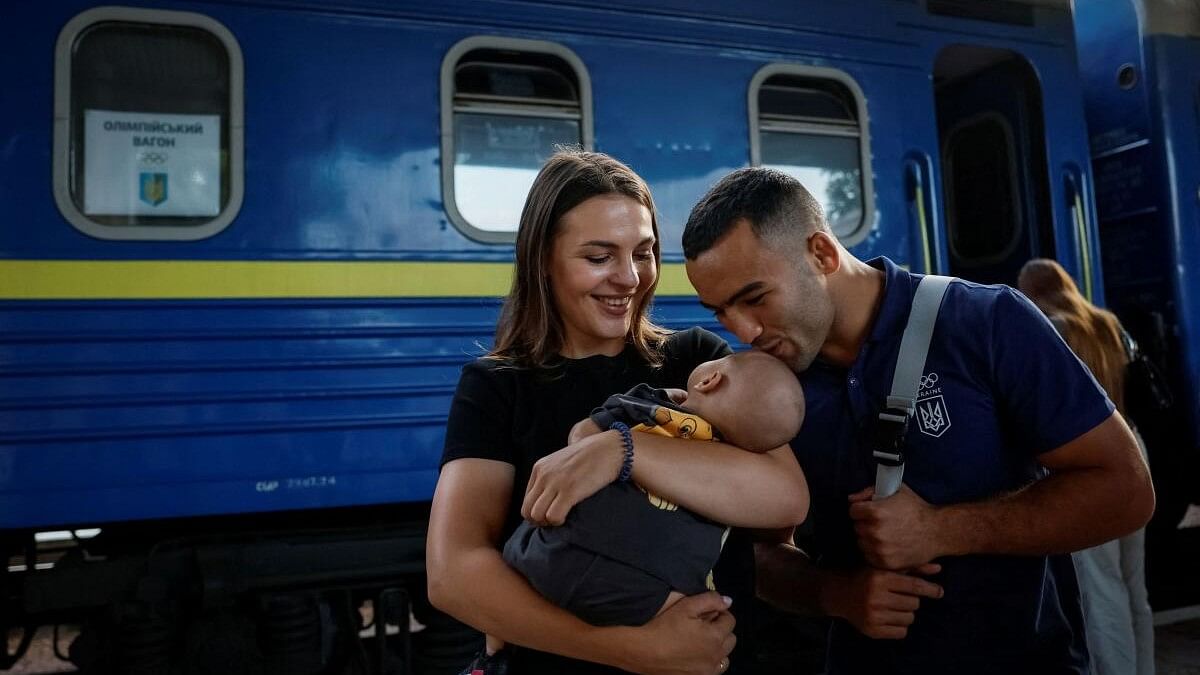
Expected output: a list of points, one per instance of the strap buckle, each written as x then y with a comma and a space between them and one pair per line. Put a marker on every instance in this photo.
890, 429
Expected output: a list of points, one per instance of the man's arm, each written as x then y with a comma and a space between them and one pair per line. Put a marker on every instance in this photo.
1098, 489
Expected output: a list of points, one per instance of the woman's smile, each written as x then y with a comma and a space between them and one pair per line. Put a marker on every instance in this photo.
615, 305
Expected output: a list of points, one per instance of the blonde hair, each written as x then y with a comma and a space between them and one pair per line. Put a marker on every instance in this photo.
530, 331
1094, 334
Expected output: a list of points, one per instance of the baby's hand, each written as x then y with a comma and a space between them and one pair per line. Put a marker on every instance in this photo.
582, 430
678, 396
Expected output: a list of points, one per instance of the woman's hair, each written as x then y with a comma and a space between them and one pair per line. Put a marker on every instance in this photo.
530, 331
1094, 334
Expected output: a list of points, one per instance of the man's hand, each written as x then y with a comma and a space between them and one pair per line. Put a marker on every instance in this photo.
564, 478
895, 533
880, 604
692, 637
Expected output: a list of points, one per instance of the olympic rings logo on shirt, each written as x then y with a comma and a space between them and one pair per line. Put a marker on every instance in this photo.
928, 381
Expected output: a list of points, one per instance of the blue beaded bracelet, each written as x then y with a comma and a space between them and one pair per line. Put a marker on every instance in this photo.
627, 441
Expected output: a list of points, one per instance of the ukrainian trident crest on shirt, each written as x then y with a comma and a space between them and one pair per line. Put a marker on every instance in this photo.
932, 416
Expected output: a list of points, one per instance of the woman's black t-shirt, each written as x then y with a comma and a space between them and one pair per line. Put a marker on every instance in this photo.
518, 416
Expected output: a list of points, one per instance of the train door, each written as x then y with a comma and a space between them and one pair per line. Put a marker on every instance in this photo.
993, 154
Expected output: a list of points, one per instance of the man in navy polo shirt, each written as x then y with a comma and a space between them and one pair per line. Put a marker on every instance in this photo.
1015, 456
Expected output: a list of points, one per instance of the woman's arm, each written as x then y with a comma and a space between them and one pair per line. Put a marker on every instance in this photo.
469, 579
718, 481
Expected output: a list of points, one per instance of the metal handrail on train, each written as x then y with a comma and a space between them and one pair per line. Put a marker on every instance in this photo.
1075, 206
917, 197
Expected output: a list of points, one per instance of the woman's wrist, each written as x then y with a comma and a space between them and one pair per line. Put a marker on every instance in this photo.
626, 471
616, 646
609, 444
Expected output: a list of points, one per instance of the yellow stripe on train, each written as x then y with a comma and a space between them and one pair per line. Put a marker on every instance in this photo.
231, 279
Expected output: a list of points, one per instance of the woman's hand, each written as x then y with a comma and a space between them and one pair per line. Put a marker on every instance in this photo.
561, 480
693, 636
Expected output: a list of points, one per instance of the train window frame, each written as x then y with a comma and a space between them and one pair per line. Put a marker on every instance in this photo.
450, 64
839, 77
63, 150
1014, 175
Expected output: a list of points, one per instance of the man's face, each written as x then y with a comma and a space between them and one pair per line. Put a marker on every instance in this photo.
774, 302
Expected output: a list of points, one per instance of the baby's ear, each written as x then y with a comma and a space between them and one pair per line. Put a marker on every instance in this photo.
710, 383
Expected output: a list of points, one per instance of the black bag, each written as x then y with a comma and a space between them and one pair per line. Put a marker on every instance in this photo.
1146, 388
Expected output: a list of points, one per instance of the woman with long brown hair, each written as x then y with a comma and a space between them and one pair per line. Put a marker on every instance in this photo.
575, 329
1112, 576
1094, 334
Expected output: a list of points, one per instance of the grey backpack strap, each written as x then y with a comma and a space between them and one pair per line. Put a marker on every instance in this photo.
902, 402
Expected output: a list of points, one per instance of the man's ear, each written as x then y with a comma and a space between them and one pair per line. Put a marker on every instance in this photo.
826, 253
710, 383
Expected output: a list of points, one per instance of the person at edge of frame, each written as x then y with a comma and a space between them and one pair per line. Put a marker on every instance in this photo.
1015, 456
1112, 575
574, 329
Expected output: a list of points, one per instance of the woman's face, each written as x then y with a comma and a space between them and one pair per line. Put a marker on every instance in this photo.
601, 266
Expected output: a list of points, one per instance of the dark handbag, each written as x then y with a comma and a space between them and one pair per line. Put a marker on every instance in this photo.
1146, 388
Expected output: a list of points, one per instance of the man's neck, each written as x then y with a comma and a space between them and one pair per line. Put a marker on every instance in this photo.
857, 294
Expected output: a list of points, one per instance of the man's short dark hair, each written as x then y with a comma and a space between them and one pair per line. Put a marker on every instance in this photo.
776, 205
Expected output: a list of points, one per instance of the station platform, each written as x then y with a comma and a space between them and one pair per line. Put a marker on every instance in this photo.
1176, 635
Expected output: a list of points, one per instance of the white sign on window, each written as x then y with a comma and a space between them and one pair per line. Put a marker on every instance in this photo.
151, 164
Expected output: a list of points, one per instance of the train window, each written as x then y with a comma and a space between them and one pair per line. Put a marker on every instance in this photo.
982, 196
506, 105
147, 124
811, 123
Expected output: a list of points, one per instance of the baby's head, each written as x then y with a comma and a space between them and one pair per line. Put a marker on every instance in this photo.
754, 399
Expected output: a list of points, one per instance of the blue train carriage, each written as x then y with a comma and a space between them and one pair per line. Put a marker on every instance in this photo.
246, 248
1140, 62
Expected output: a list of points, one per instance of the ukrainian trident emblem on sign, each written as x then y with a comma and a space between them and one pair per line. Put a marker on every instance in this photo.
932, 416
153, 189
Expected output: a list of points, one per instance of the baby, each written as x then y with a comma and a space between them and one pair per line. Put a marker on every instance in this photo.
625, 555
